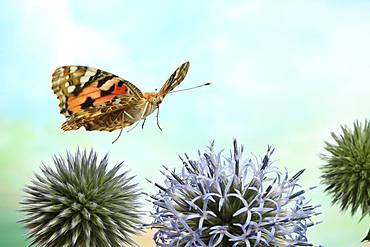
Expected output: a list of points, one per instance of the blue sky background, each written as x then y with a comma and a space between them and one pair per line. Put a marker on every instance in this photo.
284, 73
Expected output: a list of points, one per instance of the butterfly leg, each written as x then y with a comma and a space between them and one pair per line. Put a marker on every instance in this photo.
143, 113
158, 118
120, 132
123, 122
135, 124
141, 117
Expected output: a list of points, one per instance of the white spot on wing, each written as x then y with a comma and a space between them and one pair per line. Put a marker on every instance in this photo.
84, 79
72, 69
66, 84
70, 89
90, 72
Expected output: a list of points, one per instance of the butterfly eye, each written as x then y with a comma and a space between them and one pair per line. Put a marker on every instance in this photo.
160, 99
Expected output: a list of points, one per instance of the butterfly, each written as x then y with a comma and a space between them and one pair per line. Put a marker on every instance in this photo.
99, 100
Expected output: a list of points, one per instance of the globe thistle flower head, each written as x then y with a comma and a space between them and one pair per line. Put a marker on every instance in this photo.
217, 201
81, 203
346, 173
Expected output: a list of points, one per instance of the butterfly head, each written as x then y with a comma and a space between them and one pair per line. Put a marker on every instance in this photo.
153, 98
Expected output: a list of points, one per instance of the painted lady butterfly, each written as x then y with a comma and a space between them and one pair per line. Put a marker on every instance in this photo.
99, 100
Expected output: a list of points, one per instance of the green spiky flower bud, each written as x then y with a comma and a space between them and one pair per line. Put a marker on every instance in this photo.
81, 203
346, 173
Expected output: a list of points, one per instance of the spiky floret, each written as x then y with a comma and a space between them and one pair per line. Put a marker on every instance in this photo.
346, 173
218, 201
81, 203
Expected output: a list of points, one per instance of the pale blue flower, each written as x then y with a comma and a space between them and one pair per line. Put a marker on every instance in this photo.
228, 201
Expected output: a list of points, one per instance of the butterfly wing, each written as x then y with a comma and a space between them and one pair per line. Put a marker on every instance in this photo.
175, 79
86, 93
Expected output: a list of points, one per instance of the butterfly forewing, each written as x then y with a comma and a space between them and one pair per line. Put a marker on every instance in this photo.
80, 88
86, 93
175, 79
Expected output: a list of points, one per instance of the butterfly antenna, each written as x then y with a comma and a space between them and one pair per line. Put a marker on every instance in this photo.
122, 126
185, 89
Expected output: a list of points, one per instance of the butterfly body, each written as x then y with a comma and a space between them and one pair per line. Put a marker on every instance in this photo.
99, 100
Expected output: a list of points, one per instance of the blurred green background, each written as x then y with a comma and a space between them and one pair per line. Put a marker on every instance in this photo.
284, 73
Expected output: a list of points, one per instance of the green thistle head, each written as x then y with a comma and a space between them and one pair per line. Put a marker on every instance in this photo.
80, 203
346, 174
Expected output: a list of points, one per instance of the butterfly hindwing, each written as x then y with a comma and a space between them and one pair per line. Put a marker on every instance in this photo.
82, 89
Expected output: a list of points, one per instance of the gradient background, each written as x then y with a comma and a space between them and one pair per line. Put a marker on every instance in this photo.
285, 73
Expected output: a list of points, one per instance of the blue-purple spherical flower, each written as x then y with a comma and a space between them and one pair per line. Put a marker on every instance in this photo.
228, 201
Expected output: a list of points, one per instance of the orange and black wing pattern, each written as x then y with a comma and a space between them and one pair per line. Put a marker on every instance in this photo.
86, 92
